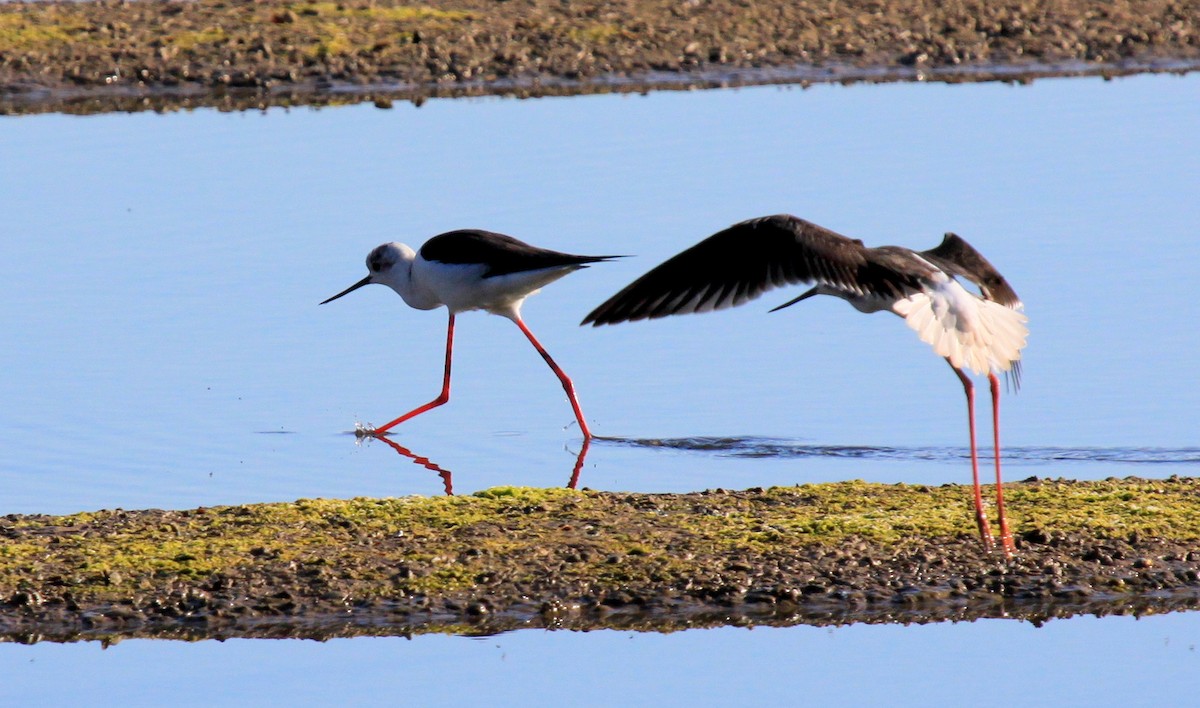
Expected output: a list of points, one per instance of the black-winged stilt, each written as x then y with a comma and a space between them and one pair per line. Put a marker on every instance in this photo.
471, 270
984, 333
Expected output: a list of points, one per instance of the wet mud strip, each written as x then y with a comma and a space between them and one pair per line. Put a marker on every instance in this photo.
509, 558
117, 55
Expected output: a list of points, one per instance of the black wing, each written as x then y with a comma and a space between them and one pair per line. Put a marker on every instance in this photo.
957, 257
502, 254
745, 260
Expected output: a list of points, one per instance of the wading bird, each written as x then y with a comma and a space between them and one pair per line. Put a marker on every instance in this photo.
984, 333
471, 270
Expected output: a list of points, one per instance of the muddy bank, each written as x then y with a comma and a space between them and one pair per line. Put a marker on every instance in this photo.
509, 558
117, 55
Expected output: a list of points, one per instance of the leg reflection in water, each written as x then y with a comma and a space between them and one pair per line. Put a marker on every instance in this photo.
571, 483
447, 475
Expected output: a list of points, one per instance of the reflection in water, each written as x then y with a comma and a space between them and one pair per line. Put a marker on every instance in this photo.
447, 475
750, 446
571, 483
363, 622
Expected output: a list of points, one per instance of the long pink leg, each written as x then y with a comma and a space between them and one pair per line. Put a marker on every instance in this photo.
442, 398
985, 532
566, 382
1006, 539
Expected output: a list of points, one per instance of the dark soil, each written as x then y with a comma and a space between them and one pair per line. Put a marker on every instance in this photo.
508, 558
121, 55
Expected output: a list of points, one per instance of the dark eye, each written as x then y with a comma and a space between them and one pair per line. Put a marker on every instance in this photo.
380, 259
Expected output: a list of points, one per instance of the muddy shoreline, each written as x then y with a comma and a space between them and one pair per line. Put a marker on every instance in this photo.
117, 55
510, 558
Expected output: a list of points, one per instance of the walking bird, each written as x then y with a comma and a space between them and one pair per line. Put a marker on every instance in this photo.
983, 332
472, 269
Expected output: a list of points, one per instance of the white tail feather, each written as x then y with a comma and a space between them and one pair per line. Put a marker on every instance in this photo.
970, 332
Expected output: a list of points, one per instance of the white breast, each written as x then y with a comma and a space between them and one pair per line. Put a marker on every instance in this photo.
462, 287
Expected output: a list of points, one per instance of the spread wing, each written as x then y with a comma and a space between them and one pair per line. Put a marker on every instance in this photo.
957, 257
747, 259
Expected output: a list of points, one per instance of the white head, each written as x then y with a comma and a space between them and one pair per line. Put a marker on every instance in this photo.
389, 264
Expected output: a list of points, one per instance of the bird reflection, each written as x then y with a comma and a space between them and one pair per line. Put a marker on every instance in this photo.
448, 476
583, 451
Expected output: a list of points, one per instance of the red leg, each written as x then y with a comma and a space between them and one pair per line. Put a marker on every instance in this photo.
1006, 540
985, 532
566, 382
442, 398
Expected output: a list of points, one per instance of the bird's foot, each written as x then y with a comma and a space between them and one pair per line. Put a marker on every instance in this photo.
1006, 543
985, 532
366, 430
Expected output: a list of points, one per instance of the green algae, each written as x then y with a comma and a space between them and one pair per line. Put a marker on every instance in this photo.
191, 39
399, 13
595, 34
20, 32
313, 30
415, 545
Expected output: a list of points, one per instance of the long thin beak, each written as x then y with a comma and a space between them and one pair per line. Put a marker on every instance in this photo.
789, 303
347, 291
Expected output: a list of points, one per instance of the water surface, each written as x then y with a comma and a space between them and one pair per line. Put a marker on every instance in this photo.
1086, 661
159, 276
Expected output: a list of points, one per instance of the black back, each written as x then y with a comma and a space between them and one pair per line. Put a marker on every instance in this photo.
501, 254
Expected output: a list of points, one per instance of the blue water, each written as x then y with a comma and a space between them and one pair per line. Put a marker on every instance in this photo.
160, 274
1085, 661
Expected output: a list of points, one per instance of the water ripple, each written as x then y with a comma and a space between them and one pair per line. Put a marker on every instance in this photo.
749, 446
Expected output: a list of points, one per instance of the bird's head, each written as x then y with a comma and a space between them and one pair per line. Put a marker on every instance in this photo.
389, 264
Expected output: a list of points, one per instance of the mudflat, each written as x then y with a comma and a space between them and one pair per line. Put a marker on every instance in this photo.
512, 557
119, 55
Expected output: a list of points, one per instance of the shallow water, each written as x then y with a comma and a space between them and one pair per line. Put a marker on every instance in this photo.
159, 276
1086, 661
162, 274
